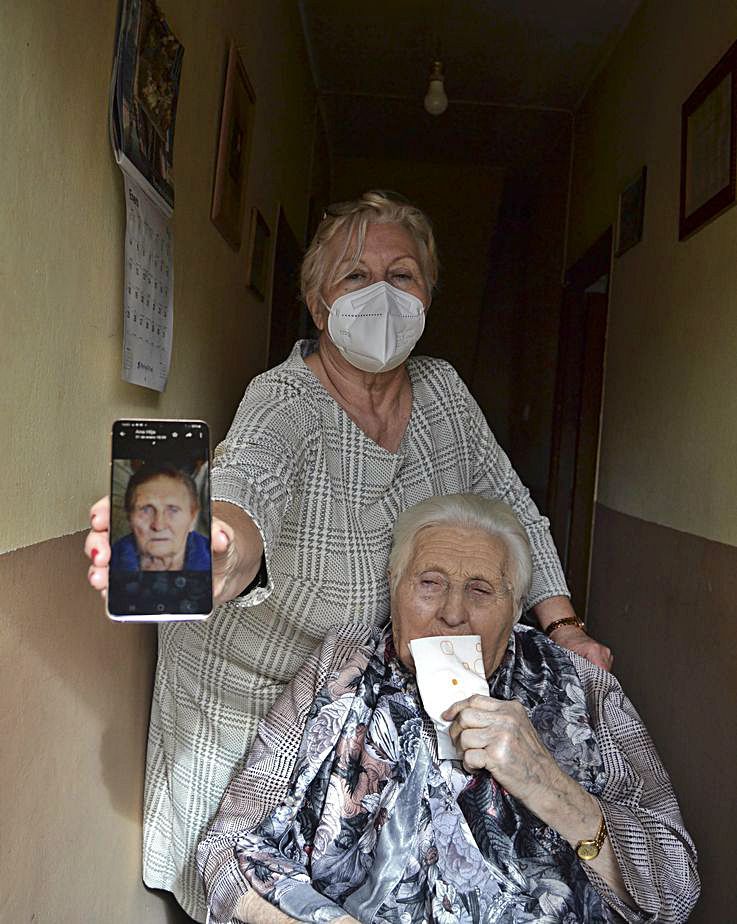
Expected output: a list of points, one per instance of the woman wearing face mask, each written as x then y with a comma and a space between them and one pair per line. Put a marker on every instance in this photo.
325, 451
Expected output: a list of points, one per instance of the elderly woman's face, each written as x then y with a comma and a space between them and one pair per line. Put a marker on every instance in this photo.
390, 254
162, 517
456, 583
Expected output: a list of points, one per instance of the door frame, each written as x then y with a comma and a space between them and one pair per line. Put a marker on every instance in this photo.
576, 431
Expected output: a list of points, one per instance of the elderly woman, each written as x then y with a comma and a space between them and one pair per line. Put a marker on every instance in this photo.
325, 451
557, 808
162, 507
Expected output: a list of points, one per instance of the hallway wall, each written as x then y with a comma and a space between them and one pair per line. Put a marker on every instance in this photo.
76, 687
670, 435
665, 544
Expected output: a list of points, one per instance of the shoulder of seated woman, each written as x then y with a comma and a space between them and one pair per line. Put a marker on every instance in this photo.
341, 643
353, 634
593, 677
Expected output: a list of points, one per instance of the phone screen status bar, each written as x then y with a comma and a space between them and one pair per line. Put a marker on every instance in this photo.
159, 433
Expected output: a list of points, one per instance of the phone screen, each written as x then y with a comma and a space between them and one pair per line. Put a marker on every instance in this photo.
161, 562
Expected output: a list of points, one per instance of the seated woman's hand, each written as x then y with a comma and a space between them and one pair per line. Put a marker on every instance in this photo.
253, 908
97, 549
496, 735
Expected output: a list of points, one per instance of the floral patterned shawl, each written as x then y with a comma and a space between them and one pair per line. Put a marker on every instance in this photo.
376, 827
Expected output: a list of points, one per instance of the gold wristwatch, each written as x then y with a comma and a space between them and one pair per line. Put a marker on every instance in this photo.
589, 850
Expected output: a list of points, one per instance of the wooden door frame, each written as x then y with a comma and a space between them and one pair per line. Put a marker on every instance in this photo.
286, 313
577, 405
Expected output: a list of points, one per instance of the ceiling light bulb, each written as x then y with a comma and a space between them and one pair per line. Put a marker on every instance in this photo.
436, 102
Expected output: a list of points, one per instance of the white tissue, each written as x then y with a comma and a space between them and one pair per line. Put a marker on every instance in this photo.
449, 668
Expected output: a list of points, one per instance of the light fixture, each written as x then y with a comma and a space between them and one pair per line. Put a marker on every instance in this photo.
436, 102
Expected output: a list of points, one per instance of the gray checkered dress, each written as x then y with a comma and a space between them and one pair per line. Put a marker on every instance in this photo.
325, 498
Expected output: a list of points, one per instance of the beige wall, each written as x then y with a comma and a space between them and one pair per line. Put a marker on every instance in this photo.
61, 238
75, 694
462, 202
75, 687
665, 540
669, 441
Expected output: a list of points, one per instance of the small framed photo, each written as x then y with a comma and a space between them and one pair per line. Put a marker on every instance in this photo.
631, 213
234, 145
257, 263
708, 150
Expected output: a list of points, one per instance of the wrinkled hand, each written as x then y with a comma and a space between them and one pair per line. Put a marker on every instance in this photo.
255, 909
575, 639
497, 736
97, 549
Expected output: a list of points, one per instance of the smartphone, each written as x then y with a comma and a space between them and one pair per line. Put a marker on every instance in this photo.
161, 558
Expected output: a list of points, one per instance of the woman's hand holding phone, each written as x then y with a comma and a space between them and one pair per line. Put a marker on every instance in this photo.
97, 545
157, 551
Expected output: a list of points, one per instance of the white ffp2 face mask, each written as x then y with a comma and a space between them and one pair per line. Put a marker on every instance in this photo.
376, 328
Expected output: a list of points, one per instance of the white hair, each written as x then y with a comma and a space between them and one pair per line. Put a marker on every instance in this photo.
468, 511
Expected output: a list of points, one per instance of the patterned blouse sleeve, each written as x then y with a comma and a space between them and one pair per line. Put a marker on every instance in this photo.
263, 782
494, 476
654, 851
257, 464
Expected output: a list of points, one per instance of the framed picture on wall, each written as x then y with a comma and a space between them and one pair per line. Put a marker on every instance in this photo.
631, 213
708, 148
257, 262
233, 149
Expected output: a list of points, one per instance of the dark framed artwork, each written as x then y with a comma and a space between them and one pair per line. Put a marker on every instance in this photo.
708, 149
234, 145
257, 263
631, 213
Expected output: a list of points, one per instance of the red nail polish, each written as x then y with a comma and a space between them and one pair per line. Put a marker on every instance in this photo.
94, 553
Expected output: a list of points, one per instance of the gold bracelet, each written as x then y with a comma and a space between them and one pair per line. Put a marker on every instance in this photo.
568, 621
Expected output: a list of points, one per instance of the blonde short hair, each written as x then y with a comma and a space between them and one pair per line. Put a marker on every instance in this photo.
350, 220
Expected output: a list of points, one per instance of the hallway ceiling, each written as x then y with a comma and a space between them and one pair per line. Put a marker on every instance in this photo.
506, 61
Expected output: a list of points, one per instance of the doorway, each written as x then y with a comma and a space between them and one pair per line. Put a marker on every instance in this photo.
579, 387
288, 315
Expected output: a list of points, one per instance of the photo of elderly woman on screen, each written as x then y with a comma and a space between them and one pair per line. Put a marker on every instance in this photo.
162, 507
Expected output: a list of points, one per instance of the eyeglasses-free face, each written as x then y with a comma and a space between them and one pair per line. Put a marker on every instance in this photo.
161, 519
456, 583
